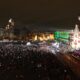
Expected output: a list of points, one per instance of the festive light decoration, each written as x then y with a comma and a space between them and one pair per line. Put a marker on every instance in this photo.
75, 38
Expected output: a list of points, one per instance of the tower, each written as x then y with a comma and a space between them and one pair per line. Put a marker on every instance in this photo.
9, 29
75, 38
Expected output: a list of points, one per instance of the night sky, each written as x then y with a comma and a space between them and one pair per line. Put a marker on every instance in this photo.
53, 12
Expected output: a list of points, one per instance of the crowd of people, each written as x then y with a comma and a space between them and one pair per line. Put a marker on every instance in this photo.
21, 62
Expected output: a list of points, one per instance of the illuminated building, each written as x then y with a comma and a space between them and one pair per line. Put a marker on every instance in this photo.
75, 38
43, 36
9, 29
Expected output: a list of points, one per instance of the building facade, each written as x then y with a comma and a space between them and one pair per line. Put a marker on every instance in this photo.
75, 38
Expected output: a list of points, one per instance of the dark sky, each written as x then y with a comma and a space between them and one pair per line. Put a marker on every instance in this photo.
55, 12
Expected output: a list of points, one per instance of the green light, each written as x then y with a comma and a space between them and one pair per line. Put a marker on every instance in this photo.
63, 36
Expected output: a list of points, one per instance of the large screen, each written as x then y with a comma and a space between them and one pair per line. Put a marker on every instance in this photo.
64, 35
61, 35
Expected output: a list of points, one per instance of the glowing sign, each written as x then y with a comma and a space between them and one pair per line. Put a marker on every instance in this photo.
64, 35
57, 34
61, 34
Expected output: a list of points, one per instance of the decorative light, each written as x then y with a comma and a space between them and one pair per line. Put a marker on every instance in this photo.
35, 38
10, 20
28, 43
79, 18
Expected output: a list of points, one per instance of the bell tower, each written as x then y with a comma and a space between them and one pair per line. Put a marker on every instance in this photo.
9, 29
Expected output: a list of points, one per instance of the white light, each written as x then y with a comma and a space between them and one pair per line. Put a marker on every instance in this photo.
55, 45
79, 18
28, 43
10, 20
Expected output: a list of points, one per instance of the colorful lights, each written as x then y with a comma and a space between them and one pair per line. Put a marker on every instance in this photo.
43, 37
